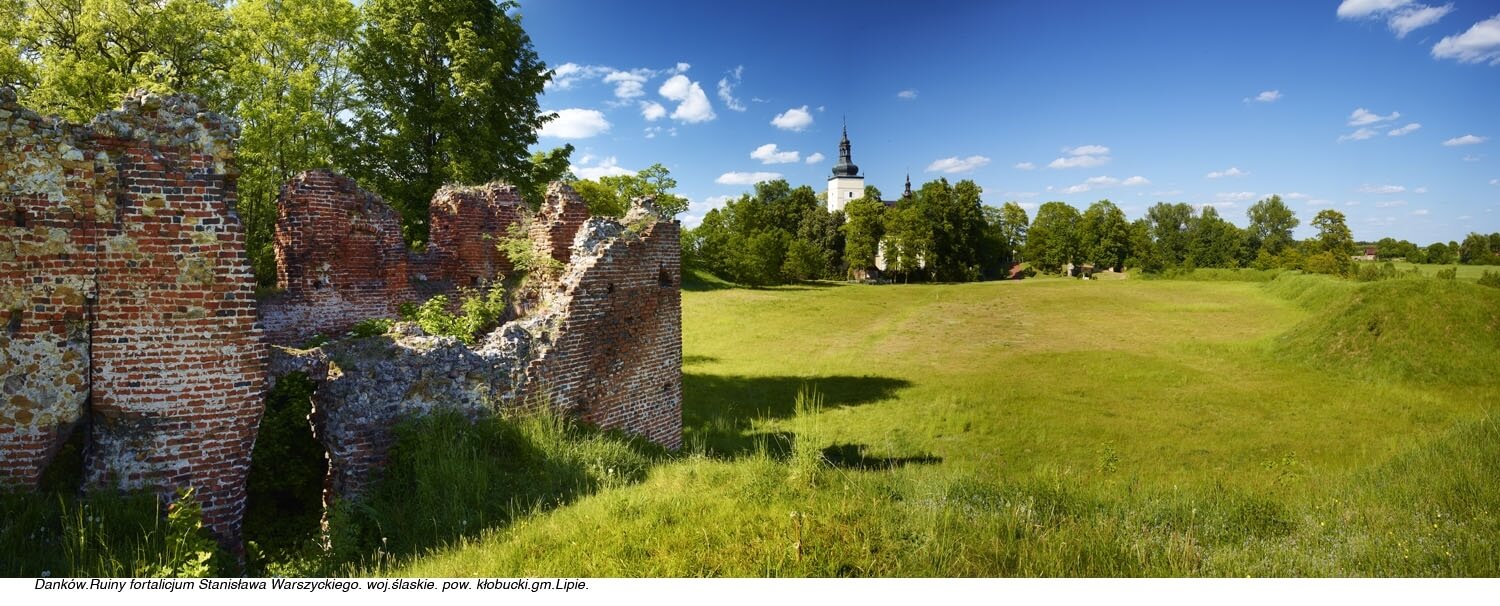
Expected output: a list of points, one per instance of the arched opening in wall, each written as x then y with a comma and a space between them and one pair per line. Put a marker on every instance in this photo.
18, 216
284, 504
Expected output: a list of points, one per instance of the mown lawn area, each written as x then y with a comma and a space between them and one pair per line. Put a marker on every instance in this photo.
1053, 427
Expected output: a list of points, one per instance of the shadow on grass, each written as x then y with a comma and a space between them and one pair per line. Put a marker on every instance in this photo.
852, 456
718, 411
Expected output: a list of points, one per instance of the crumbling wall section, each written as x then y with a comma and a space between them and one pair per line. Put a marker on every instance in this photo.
562, 214
53, 197
136, 302
339, 259
465, 223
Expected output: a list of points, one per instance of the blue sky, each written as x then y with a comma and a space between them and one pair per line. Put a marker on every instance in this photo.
1386, 110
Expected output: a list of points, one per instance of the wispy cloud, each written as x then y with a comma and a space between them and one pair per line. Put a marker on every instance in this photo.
1419, 212
1479, 44
606, 167
746, 178
1134, 181
575, 123
1402, 16
955, 164
1381, 189
1229, 198
1390, 204
1296, 195
1266, 96
1231, 172
1465, 140
1083, 156
1359, 135
815, 158
726, 89
769, 154
1024, 166
1405, 130
910, 93
629, 85
796, 119
1362, 116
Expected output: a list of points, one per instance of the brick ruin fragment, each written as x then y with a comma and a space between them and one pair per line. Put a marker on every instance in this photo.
128, 302
127, 308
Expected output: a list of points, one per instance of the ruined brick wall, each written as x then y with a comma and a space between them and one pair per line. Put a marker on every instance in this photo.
616, 358
465, 222
563, 212
339, 259
51, 203
137, 266
604, 343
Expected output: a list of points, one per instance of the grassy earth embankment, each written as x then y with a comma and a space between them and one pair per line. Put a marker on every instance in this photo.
1057, 427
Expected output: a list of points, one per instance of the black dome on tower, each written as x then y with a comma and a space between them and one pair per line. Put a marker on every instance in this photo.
845, 167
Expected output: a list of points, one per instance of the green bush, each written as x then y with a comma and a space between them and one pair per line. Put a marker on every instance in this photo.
1490, 279
477, 313
372, 327
1447, 274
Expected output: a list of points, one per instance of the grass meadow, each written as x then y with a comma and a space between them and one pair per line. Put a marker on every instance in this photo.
1053, 427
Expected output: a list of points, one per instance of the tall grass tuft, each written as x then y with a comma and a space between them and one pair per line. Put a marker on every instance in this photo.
806, 460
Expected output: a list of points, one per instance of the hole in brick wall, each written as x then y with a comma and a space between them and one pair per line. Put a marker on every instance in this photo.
13, 325
664, 278
610, 289
19, 216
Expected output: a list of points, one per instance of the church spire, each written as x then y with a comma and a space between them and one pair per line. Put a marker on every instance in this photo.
907, 193
846, 166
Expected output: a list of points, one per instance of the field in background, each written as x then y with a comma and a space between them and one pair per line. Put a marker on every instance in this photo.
1467, 273
1056, 427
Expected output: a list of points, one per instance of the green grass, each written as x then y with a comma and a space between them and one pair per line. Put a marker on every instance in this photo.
1055, 428
1466, 273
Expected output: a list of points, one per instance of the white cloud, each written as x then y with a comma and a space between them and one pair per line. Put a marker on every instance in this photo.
629, 85
1465, 140
1266, 96
1359, 9
769, 154
1494, 181
606, 167
1410, 128
1390, 204
744, 178
1092, 183
1319, 202
681, 67
1381, 189
1170, 192
1296, 195
910, 93
796, 119
568, 74
698, 208
815, 158
957, 165
1481, 43
1471, 158
1083, 156
652, 111
1419, 190
575, 123
1419, 16
1402, 16
1351, 203
1419, 212
1024, 166
692, 103
1359, 135
1362, 116
726, 89
1233, 171
1229, 198
1136, 180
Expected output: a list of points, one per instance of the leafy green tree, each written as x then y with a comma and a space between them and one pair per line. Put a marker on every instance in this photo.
1439, 253
78, 58
1013, 226
804, 260
289, 83
864, 226
552, 165
908, 241
1142, 248
1271, 225
448, 90
1334, 241
1475, 250
1169, 226
1104, 235
610, 196
1212, 241
1053, 238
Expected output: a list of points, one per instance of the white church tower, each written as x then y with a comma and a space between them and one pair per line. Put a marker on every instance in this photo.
846, 183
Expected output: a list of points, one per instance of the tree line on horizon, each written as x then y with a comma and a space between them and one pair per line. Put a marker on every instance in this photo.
945, 232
